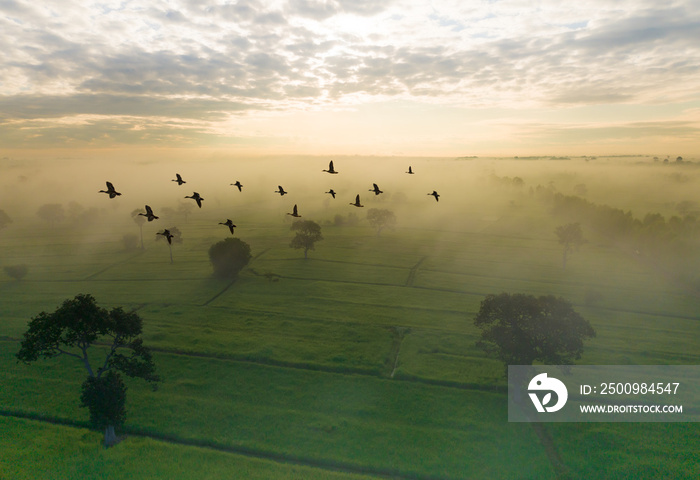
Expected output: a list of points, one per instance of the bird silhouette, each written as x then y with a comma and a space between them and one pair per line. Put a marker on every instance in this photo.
149, 214
409, 170
294, 212
281, 191
331, 192
330, 168
166, 233
357, 201
375, 189
197, 198
110, 190
238, 184
229, 224
178, 179
435, 194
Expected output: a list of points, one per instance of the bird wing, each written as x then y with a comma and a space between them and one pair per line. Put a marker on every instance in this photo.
148, 210
375, 186
109, 186
295, 209
357, 199
330, 165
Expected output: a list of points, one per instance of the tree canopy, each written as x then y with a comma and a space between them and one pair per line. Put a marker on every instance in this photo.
381, 218
72, 330
228, 257
308, 233
520, 329
571, 237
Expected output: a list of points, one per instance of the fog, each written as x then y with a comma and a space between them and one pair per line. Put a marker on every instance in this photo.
474, 192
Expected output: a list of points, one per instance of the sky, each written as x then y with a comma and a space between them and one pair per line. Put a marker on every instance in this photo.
351, 77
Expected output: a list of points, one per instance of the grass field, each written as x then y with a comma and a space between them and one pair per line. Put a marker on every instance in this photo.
359, 362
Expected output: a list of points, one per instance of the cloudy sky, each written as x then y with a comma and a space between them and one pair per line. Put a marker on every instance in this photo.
384, 77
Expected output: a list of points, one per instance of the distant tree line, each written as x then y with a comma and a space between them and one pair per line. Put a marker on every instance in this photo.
73, 213
649, 235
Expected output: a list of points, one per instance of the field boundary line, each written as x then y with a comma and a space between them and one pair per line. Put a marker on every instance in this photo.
220, 293
412, 272
100, 272
320, 463
368, 372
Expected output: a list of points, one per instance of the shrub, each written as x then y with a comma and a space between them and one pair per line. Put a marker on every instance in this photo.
16, 271
229, 256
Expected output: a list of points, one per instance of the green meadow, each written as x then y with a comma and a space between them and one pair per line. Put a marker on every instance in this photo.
359, 362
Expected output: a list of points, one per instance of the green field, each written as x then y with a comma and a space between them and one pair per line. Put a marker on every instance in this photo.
359, 362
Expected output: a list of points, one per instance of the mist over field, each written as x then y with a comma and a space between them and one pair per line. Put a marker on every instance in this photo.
563, 140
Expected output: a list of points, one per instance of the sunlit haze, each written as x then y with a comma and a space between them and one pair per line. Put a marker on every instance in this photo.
350, 77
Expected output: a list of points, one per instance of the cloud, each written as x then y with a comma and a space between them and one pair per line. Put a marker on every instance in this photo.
23, 107
204, 60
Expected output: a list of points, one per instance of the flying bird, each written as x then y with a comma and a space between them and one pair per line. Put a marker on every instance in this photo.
281, 191
149, 214
197, 198
178, 179
166, 233
435, 194
330, 168
238, 184
110, 190
331, 192
409, 170
294, 212
229, 224
375, 189
357, 201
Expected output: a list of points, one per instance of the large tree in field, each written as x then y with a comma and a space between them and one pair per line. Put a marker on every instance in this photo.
381, 218
308, 233
520, 329
229, 256
74, 330
571, 237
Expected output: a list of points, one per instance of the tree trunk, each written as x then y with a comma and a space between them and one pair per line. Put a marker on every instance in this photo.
110, 437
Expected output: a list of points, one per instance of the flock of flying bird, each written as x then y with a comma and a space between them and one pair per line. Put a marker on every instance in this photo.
150, 216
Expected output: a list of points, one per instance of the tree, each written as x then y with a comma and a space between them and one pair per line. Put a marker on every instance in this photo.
51, 213
16, 271
5, 219
229, 256
308, 233
171, 235
139, 220
381, 218
571, 237
71, 330
520, 329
